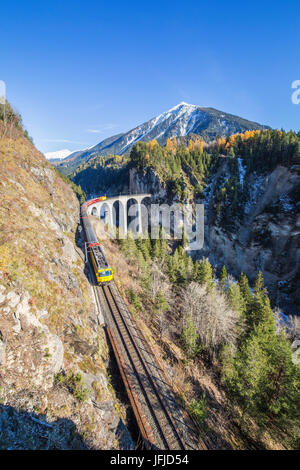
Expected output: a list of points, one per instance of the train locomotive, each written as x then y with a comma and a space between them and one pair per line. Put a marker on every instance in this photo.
103, 272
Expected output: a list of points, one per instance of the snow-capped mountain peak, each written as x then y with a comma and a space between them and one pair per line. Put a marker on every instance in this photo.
59, 154
183, 104
178, 121
175, 122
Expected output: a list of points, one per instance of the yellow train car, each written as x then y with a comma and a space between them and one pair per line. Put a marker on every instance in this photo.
103, 272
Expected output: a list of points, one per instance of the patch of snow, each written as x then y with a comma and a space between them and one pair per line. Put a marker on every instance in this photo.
286, 203
254, 193
284, 320
242, 171
207, 193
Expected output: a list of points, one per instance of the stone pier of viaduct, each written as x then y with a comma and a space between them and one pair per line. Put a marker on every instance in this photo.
125, 205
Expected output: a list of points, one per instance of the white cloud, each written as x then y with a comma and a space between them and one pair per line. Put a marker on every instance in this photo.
94, 131
101, 129
64, 141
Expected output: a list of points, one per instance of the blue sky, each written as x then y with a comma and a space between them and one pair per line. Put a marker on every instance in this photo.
80, 71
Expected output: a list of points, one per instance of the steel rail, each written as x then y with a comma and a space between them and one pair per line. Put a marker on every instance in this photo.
161, 417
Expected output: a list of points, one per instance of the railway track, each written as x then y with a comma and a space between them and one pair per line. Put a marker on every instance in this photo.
161, 421
165, 433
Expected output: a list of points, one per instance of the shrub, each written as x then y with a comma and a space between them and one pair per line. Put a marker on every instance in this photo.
74, 383
134, 299
198, 410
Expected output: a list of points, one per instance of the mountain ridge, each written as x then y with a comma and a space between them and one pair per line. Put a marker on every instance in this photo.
180, 120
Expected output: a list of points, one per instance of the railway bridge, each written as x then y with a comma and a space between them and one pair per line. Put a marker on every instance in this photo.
120, 207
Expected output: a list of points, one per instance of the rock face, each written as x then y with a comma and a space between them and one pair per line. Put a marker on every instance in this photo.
148, 181
54, 391
266, 239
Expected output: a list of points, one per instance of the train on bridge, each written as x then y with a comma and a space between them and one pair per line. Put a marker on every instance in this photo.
103, 272
97, 199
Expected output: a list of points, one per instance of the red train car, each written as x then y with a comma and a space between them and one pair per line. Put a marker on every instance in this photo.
93, 201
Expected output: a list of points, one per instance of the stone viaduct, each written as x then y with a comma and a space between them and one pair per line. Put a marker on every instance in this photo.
125, 205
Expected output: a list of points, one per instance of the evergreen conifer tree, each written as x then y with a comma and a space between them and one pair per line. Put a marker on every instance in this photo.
223, 277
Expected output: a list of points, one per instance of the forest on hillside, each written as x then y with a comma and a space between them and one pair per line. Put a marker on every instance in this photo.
222, 324
185, 166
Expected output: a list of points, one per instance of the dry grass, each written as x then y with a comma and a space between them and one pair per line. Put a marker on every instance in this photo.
38, 218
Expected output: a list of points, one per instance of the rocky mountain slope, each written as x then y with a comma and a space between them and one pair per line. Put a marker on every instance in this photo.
181, 120
55, 390
266, 240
